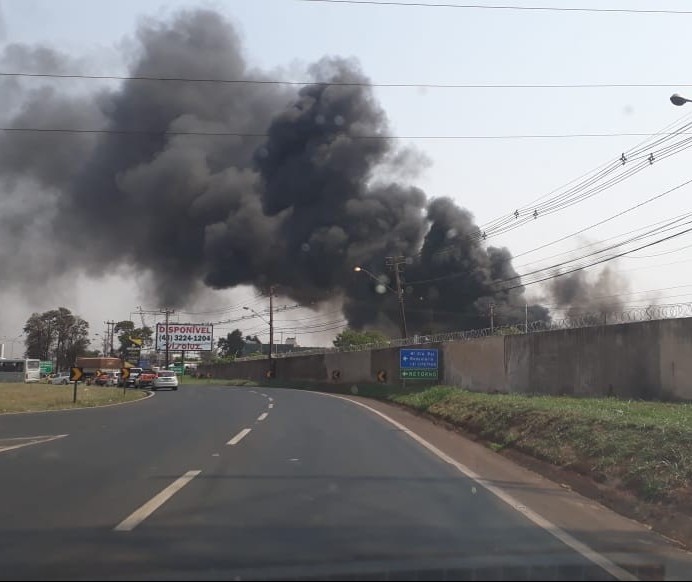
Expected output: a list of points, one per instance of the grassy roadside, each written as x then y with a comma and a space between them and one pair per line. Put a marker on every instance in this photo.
641, 447
35, 397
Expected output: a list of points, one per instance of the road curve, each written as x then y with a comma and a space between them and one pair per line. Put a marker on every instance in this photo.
218, 483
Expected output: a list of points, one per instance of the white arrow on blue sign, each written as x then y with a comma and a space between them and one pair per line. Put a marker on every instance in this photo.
419, 359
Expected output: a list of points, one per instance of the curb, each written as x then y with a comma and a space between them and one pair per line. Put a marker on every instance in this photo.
150, 394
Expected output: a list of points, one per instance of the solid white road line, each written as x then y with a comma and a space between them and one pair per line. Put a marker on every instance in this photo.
262, 416
612, 568
271, 405
239, 437
27, 441
131, 522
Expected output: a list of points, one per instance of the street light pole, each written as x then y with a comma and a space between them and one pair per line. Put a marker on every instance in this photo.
270, 323
271, 327
395, 263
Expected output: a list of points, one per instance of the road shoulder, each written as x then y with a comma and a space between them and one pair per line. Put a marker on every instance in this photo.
622, 539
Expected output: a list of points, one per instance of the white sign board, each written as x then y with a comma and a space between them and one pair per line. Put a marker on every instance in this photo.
191, 337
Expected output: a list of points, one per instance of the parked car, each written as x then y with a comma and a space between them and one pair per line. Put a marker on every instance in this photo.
145, 378
165, 379
63, 379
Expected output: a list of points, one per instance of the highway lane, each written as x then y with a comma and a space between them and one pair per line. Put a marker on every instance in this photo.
311, 485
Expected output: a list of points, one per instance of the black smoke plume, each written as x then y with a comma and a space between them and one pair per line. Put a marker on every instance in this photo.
295, 194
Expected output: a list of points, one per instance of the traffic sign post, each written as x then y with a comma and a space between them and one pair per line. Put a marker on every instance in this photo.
75, 376
418, 364
124, 374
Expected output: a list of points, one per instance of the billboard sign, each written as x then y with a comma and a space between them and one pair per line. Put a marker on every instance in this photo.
185, 336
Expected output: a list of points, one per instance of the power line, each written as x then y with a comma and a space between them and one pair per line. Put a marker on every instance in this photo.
600, 261
154, 78
664, 228
660, 229
586, 186
162, 133
502, 7
677, 250
660, 222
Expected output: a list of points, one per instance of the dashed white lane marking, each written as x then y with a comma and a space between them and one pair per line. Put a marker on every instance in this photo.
263, 394
19, 442
239, 437
253, 392
262, 416
609, 566
133, 520
271, 405
271, 399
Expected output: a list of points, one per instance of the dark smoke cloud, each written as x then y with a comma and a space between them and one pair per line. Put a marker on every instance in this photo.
297, 209
578, 293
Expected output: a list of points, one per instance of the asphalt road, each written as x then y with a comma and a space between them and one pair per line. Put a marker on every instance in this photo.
318, 487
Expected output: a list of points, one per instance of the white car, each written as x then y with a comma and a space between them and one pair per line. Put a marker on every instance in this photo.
165, 379
60, 379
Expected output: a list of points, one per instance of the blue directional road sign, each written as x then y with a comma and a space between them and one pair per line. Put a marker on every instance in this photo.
417, 364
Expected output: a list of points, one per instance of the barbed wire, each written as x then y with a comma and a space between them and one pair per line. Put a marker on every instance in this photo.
581, 320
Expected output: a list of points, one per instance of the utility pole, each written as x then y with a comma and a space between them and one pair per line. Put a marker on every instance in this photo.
396, 264
168, 312
526, 318
111, 332
271, 327
492, 318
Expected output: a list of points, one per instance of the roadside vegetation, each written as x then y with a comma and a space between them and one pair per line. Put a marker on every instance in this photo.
20, 397
643, 447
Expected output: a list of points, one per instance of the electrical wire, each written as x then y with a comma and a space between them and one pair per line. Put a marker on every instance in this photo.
164, 79
503, 7
200, 133
588, 184
571, 251
598, 262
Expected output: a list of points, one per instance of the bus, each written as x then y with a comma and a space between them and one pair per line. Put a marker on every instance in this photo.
20, 370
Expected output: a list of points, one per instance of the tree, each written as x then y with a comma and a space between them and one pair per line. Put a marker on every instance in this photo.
56, 333
232, 344
40, 336
351, 337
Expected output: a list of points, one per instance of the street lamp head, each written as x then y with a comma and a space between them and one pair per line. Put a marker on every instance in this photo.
678, 100
357, 269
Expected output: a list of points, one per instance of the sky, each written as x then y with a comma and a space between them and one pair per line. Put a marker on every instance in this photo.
417, 45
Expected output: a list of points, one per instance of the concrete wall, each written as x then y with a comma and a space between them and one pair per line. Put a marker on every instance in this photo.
476, 365
675, 359
645, 360
618, 360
